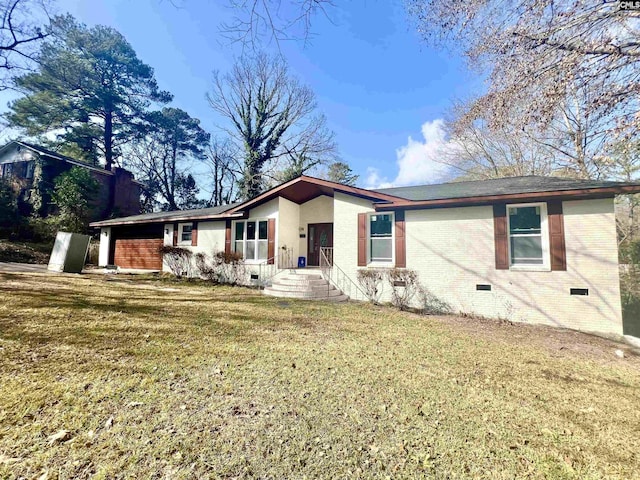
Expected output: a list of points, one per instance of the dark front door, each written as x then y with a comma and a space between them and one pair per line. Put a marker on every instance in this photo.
320, 235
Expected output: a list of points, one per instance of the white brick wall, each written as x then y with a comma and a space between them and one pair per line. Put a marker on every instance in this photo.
210, 239
345, 234
452, 250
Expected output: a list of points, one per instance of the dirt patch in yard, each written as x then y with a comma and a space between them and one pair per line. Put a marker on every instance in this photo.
559, 342
24, 252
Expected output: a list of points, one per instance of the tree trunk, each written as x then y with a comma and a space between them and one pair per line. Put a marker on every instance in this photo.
108, 141
108, 157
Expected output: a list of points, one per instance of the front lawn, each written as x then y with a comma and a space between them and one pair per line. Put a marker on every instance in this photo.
146, 379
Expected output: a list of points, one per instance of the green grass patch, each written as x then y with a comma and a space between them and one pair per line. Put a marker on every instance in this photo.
154, 379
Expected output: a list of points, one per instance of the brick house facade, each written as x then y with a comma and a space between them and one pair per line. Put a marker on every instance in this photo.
32, 170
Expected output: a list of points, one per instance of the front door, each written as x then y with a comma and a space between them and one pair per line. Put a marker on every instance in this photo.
320, 235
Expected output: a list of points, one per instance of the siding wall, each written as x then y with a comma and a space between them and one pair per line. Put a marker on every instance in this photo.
452, 250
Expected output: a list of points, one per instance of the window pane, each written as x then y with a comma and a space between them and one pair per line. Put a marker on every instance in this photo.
239, 247
526, 250
381, 249
239, 230
251, 230
30, 168
262, 230
262, 250
186, 233
524, 220
251, 249
380, 225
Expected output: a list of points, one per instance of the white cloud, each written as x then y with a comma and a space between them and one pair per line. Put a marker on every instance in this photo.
418, 161
375, 180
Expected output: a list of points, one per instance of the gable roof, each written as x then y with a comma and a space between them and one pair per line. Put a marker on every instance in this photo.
304, 188
57, 156
63, 158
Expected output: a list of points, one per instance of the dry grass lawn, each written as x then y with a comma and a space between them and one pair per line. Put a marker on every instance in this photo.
144, 378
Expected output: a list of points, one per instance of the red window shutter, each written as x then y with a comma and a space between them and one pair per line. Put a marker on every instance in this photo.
194, 235
271, 241
401, 254
362, 239
500, 236
227, 238
175, 234
557, 248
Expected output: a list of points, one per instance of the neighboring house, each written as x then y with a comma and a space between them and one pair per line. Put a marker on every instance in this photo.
33, 169
531, 249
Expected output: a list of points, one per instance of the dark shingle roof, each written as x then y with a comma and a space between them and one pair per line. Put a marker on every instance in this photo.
64, 158
167, 216
497, 186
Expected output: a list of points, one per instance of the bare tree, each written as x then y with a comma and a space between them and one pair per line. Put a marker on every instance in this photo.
24, 24
558, 61
305, 152
627, 161
574, 142
258, 22
224, 168
272, 118
478, 151
161, 156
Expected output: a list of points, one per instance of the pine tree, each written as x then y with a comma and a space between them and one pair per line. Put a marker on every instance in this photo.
89, 83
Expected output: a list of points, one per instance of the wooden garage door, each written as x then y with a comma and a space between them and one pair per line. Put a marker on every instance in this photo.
138, 253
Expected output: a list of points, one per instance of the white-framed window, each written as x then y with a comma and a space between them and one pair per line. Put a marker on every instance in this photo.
528, 236
250, 239
29, 169
380, 230
6, 169
185, 232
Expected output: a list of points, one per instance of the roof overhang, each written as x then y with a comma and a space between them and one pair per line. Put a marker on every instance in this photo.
302, 189
117, 222
574, 194
299, 190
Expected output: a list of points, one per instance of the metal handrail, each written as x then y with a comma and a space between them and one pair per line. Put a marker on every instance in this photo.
328, 266
269, 265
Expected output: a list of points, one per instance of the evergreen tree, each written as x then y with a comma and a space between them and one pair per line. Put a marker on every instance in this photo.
91, 84
340, 172
171, 139
72, 194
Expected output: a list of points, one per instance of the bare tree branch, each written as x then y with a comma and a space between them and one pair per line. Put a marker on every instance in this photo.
271, 117
262, 22
23, 25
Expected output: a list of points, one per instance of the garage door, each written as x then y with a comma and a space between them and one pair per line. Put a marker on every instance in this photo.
137, 247
138, 253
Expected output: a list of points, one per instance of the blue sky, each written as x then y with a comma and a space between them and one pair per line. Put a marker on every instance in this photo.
381, 88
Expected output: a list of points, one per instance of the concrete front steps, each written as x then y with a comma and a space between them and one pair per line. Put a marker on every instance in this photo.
305, 285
